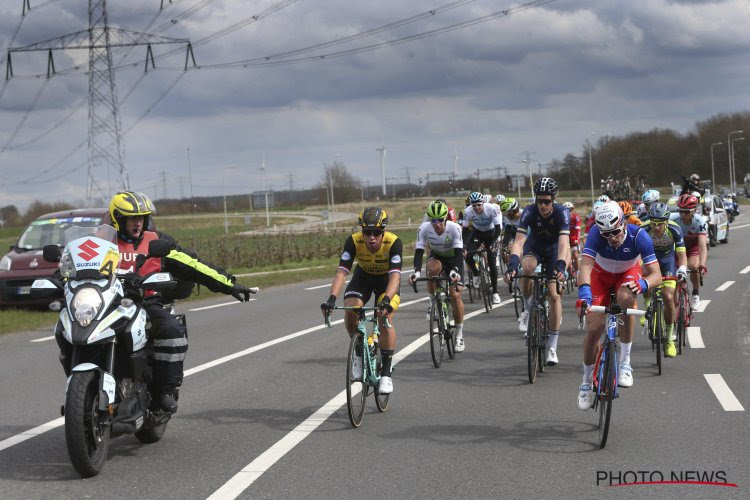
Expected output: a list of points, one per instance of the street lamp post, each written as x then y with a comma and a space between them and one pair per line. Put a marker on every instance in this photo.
531, 181
713, 175
591, 166
734, 173
731, 154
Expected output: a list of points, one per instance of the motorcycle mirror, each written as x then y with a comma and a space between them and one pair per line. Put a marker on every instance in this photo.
51, 253
159, 248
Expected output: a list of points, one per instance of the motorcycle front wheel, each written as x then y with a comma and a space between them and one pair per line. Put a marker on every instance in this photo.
86, 428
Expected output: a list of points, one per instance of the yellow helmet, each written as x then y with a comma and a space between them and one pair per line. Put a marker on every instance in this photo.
129, 204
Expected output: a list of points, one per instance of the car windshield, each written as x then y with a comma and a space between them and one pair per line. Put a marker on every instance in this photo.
51, 231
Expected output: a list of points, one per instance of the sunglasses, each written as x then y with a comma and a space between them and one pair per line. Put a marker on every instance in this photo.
544, 202
372, 232
437, 221
611, 234
659, 223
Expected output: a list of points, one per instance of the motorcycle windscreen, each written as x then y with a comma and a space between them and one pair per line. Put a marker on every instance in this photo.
90, 253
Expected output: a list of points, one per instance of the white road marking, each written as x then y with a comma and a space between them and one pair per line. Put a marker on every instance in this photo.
19, 438
42, 339
322, 286
726, 285
219, 305
740, 227
252, 471
722, 392
702, 306
745, 270
694, 337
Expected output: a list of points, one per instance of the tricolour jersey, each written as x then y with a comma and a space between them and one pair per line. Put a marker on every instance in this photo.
444, 244
698, 227
575, 227
486, 221
545, 229
637, 245
669, 242
386, 260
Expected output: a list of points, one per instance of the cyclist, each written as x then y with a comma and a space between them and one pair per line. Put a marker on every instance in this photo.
692, 185
666, 237
694, 229
499, 199
610, 264
543, 236
446, 256
488, 224
630, 216
575, 234
451, 213
511, 211
603, 198
590, 217
650, 197
378, 255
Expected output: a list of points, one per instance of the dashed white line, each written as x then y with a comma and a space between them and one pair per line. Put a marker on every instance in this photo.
694, 337
702, 306
724, 286
321, 286
219, 305
723, 393
745, 270
42, 339
252, 471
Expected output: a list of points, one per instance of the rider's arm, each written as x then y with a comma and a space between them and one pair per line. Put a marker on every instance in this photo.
679, 243
186, 265
702, 249
521, 232
394, 271
345, 265
418, 254
652, 274
584, 271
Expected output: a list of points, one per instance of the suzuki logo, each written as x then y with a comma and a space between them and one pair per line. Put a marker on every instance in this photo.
88, 251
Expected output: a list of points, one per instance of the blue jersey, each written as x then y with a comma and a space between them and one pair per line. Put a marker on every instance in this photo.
545, 229
617, 261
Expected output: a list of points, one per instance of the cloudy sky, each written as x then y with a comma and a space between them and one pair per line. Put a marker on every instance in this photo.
538, 79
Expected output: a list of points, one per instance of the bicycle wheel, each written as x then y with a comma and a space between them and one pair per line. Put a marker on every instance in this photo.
607, 391
436, 336
541, 340
486, 290
658, 332
532, 346
680, 324
381, 400
356, 390
450, 332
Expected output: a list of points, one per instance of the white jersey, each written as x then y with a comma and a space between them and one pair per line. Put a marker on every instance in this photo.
444, 244
487, 220
511, 222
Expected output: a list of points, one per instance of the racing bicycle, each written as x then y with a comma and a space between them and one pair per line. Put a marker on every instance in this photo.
441, 319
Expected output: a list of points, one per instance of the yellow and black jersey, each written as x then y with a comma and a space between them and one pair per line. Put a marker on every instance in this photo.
387, 259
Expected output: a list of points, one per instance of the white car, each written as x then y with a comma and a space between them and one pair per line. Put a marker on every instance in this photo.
718, 221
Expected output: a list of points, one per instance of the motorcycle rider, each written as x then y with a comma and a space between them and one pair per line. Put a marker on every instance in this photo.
130, 212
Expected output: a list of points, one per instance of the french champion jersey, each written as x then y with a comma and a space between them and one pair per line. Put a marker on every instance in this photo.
486, 221
616, 261
545, 229
697, 227
386, 260
444, 244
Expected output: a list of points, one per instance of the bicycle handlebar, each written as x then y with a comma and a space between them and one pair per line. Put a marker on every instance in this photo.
361, 311
617, 311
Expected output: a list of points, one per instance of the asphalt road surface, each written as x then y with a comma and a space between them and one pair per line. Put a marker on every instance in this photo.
262, 414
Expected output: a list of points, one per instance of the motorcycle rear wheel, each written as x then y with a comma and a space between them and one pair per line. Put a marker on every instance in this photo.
86, 430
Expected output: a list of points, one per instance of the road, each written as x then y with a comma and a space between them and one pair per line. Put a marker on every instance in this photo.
263, 393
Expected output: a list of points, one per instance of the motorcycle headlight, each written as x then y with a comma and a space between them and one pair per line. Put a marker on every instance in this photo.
86, 304
5, 263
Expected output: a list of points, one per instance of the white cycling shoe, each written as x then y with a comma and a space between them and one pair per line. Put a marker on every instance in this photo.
625, 379
695, 302
385, 386
551, 357
495, 299
523, 321
460, 345
585, 397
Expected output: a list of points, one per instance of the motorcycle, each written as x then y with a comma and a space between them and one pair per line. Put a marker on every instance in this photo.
105, 348
731, 207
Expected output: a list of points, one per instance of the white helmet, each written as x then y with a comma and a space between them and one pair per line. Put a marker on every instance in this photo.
608, 216
650, 196
499, 198
488, 198
568, 205
604, 198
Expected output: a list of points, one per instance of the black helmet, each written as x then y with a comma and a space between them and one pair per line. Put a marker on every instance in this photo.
545, 185
373, 218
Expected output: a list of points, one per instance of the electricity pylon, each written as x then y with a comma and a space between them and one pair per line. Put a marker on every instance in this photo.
105, 145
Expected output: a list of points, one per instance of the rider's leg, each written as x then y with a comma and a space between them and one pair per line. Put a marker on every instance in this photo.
388, 336
170, 347
626, 299
693, 264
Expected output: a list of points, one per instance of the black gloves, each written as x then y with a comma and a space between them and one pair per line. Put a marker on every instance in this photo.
386, 304
241, 293
328, 305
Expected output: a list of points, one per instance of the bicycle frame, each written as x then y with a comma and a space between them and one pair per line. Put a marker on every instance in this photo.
369, 361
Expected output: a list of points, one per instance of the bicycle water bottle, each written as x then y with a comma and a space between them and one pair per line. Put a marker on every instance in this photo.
372, 340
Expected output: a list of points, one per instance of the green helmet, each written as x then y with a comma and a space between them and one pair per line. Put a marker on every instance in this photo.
437, 210
509, 205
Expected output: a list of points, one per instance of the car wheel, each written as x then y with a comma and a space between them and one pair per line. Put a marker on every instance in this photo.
712, 235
